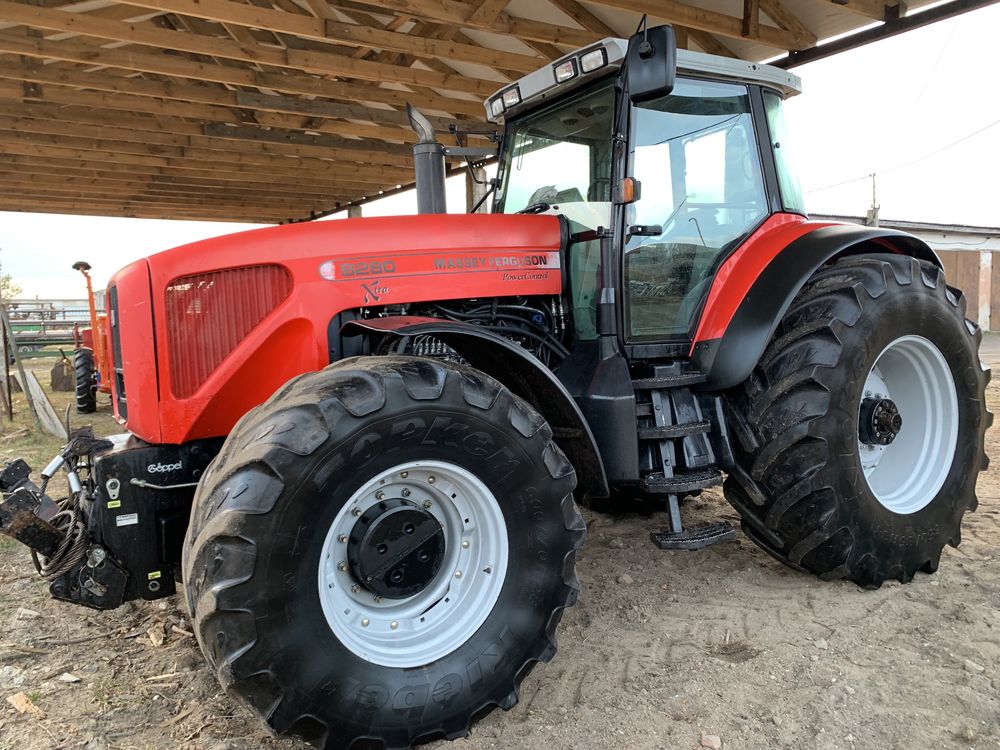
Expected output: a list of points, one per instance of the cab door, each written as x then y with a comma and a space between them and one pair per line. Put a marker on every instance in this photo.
696, 157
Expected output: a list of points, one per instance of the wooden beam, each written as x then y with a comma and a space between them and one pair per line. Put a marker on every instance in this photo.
176, 66
457, 13
486, 12
584, 17
709, 43
95, 165
782, 16
873, 9
307, 61
711, 21
51, 174
226, 11
141, 212
751, 18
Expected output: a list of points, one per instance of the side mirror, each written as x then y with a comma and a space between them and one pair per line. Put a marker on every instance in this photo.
651, 63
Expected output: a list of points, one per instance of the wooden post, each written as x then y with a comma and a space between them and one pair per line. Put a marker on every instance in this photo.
9, 333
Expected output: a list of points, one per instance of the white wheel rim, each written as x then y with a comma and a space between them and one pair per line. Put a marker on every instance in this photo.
431, 624
908, 473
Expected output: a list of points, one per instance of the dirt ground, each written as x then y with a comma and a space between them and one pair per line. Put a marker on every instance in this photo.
662, 648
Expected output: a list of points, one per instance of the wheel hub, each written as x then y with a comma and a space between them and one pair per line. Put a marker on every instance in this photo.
396, 549
879, 422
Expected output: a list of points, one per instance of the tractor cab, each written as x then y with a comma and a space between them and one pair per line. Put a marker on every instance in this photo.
693, 166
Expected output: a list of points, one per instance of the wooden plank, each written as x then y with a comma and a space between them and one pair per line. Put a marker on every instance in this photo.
84, 209
751, 18
874, 9
310, 62
782, 16
584, 17
177, 66
711, 21
710, 44
486, 12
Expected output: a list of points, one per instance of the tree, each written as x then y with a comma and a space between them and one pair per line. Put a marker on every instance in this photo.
9, 289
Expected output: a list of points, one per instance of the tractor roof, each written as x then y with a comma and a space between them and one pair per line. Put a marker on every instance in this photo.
542, 84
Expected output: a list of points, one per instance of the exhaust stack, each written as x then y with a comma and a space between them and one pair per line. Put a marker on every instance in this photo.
428, 165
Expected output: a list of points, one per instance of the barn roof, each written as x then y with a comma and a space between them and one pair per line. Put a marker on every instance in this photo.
269, 110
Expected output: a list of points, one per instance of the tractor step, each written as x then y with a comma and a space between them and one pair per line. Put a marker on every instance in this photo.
669, 381
696, 538
682, 482
665, 432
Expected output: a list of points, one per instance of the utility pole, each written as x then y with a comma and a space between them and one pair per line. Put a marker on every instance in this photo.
871, 219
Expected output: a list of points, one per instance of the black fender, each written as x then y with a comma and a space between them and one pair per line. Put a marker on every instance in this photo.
519, 371
729, 360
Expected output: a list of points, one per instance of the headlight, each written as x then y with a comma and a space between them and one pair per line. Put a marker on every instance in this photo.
511, 97
565, 70
496, 107
593, 60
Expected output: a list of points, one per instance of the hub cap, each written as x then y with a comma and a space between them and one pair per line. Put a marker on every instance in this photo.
413, 563
908, 424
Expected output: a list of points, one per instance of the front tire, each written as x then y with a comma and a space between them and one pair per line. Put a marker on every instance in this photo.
288, 516
817, 485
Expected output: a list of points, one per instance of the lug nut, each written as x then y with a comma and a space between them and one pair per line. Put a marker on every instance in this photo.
458, 574
404, 474
342, 538
393, 624
428, 503
380, 495
405, 493
378, 599
356, 588
465, 544
342, 566
356, 512
364, 622
430, 479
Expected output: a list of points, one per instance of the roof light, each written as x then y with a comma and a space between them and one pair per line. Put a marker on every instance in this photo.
496, 107
565, 70
511, 97
591, 61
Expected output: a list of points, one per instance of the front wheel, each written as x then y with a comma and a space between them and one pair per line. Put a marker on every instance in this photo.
860, 434
85, 380
382, 551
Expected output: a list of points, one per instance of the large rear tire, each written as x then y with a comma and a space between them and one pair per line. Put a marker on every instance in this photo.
860, 434
290, 601
85, 374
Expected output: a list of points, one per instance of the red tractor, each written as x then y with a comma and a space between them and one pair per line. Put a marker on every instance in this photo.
359, 444
90, 357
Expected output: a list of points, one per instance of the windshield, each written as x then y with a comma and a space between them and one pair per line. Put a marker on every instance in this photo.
558, 159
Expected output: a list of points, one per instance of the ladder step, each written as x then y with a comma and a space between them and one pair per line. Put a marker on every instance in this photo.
697, 538
669, 381
686, 482
674, 430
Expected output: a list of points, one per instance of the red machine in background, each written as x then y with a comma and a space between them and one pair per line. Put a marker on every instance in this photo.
90, 357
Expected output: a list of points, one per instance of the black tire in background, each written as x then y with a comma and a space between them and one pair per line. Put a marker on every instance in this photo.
85, 375
799, 483
262, 513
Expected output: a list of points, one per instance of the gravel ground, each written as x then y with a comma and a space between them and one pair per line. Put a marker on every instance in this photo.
663, 649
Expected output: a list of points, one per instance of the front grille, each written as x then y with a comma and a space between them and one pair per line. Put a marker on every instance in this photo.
209, 314
118, 377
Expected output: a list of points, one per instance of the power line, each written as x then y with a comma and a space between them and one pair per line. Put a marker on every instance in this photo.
908, 163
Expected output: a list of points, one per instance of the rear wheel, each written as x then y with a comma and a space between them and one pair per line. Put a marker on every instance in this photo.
382, 551
85, 375
859, 436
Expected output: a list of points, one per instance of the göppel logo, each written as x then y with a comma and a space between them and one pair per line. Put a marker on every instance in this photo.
163, 468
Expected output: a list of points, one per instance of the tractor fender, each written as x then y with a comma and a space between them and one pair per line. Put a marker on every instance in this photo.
516, 369
729, 359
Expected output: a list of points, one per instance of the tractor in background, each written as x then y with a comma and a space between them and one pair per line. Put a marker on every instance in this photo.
358, 446
90, 354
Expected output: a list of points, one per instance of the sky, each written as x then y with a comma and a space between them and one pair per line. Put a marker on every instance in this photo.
921, 111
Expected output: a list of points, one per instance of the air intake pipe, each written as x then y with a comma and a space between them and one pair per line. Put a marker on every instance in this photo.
428, 165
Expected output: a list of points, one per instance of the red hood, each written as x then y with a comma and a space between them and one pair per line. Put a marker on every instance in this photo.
331, 266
